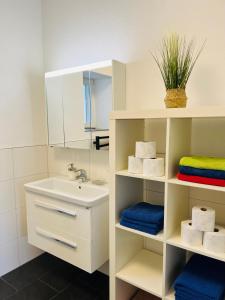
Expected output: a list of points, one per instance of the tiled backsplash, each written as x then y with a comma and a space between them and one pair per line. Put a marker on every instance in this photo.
18, 166
96, 163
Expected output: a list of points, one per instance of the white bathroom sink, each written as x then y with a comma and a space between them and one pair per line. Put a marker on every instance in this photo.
85, 194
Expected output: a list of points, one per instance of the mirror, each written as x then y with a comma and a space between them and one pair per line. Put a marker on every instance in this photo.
100, 92
78, 105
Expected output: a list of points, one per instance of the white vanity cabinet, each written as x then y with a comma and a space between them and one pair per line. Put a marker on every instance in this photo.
74, 233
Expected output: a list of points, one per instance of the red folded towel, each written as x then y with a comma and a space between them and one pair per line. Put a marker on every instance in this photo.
200, 179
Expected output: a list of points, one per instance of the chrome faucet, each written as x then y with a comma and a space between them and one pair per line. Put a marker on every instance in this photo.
82, 176
82, 173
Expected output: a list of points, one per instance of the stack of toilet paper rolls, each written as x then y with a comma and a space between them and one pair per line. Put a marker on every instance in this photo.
201, 230
145, 161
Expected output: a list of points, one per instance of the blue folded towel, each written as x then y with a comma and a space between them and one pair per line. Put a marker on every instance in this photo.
140, 223
219, 174
186, 296
197, 282
145, 212
151, 229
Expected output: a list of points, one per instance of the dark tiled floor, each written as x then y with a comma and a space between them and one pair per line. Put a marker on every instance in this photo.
47, 277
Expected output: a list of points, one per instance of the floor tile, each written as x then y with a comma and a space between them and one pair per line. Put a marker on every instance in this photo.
27, 273
76, 292
36, 291
60, 276
6, 290
47, 277
99, 282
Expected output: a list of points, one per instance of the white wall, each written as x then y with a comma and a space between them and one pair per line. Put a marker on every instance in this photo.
22, 123
82, 31
78, 32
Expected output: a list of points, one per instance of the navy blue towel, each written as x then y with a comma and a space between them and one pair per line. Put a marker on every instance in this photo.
144, 227
203, 278
152, 225
145, 212
202, 172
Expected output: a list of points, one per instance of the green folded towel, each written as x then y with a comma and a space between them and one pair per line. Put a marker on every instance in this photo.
201, 162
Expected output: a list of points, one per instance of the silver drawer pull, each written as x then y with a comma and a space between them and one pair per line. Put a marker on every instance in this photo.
48, 206
56, 238
66, 244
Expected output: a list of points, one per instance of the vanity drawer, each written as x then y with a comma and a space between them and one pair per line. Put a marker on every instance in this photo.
60, 217
76, 251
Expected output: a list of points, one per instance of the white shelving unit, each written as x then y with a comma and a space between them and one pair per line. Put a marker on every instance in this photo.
143, 261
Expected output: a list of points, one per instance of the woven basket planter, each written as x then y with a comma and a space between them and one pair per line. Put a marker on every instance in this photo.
175, 98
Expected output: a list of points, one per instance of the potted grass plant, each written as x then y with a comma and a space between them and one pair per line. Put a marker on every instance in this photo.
176, 61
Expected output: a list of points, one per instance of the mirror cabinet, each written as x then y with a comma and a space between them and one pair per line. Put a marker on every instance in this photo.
79, 101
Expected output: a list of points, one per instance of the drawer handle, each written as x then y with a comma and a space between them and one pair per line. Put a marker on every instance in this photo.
56, 238
55, 208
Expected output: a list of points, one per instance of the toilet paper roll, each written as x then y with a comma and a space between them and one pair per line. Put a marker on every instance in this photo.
135, 165
215, 241
153, 166
189, 235
145, 149
203, 218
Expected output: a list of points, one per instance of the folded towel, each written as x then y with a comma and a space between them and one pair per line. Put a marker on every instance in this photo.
202, 172
151, 229
145, 212
199, 179
198, 282
201, 162
186, 296
140, 223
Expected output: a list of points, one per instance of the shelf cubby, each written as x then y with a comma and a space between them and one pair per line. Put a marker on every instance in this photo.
181, 199
144, 271
139, 260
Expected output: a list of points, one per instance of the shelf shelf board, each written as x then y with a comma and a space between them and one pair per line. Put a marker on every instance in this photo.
197, 185
158, 237
145, 271
128, 174
175, 240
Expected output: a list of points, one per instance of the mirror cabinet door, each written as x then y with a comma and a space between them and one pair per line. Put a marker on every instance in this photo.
77, 111
78, 107
101, 98
54, 101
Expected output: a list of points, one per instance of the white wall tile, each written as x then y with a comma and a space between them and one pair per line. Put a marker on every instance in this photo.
21, 220
7, 196
19, 187
6, 164
9, 257
58, 160
8, 227
27, 251
99, 165
82, 160
29, 161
